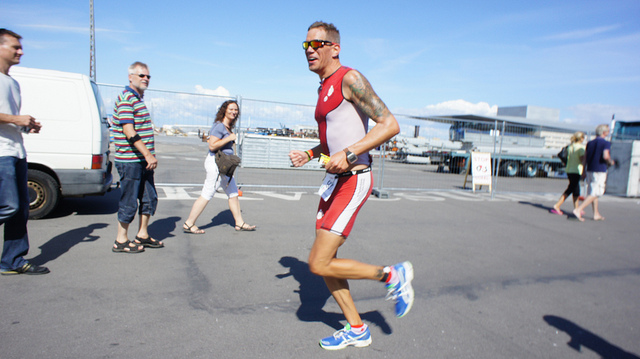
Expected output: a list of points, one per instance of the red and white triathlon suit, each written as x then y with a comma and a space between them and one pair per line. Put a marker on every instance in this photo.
341, 124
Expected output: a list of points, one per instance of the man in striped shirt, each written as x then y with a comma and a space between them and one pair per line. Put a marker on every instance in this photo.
136, 161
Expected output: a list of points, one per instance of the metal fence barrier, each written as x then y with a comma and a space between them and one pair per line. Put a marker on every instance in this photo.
433, 156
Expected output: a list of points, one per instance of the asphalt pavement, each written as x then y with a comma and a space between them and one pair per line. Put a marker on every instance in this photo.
499, 278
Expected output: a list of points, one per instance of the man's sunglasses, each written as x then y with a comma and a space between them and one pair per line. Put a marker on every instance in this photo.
315, 44
143, 76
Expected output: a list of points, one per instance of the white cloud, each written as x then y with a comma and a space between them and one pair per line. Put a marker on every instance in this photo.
453, 107
220, 91
595, 114
582, 34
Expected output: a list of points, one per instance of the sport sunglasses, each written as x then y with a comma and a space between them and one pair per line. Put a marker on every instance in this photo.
315, 44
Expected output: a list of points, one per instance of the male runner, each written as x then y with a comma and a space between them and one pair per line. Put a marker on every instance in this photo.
346, 102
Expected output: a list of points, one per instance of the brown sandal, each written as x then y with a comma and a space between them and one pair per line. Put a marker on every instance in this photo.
189, 229
245, 227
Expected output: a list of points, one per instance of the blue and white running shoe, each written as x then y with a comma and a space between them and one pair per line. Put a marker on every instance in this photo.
346, 337
402, 291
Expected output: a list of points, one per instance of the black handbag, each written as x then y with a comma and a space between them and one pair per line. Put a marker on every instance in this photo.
563, 155
227, 163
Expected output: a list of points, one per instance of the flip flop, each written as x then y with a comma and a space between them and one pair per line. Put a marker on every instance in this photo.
555, 211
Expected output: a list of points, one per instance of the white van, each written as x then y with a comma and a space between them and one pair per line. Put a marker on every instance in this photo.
70, 155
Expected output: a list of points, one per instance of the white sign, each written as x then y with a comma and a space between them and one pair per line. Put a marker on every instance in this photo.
481, 169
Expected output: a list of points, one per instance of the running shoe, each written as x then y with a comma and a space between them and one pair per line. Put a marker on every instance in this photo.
402, 291
346, 337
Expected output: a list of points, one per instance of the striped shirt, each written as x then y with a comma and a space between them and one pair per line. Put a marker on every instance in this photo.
130, 108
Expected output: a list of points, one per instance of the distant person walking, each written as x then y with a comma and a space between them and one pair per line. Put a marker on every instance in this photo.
221, 138
14, 194
574, 170
136, 161
597, 159
346, 102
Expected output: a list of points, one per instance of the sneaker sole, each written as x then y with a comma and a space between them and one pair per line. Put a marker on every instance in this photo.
358, 344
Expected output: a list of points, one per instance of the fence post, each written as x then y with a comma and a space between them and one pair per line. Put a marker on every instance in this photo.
239, 132
497, 170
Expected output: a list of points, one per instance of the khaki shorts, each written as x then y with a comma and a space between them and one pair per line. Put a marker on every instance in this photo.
596, 182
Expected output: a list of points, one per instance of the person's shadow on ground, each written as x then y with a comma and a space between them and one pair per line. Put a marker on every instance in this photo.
581, 337
223, 217
160, 229
314, 295
61, 244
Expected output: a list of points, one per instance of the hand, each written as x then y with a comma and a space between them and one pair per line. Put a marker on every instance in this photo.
152, 162
298, 158
338, 163
28, 122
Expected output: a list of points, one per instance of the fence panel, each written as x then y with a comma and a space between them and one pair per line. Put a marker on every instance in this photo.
426, 156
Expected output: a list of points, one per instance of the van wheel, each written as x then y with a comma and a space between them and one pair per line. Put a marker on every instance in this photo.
44, 194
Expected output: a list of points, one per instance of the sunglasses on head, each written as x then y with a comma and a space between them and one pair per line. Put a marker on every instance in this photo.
143, 76
315, 44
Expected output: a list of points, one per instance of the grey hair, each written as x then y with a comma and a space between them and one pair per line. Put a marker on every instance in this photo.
133, 66
601, 129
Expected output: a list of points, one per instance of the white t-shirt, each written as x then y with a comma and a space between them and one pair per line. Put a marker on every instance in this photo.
10, 136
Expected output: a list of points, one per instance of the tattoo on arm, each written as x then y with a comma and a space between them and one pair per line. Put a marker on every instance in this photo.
366, 99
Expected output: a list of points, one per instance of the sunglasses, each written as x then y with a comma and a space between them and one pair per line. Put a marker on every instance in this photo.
143, 76
315, 44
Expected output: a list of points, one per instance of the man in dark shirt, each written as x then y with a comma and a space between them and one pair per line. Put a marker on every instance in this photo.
596, 160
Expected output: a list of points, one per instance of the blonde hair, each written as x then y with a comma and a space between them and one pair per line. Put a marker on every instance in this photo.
577, 137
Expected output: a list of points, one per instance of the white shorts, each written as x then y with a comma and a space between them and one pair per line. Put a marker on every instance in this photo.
596, 182
213, 181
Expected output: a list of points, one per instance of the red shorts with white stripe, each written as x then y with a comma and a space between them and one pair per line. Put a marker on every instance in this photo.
338, 214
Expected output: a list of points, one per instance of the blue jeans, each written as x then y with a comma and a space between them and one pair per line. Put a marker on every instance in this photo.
137, 185
14, 211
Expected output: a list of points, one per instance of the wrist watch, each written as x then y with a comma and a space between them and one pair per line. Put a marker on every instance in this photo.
351, 157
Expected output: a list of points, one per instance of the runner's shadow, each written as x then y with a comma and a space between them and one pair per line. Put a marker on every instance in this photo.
581, 337
314, 295
61, 244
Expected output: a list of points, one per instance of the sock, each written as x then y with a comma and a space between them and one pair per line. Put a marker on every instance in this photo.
358, 328
386, 276
392, 277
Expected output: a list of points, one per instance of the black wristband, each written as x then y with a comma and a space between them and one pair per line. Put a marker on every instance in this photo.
134, 139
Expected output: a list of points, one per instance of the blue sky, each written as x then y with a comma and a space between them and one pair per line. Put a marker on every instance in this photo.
422, 57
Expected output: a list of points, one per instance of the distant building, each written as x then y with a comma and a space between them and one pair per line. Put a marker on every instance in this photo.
531, 112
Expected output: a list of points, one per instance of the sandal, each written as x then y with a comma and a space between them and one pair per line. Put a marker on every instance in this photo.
245, 227
126, 247
189, 229
149, 242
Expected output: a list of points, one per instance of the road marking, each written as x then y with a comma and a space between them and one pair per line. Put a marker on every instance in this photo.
173, 193
295, 197
192, 191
